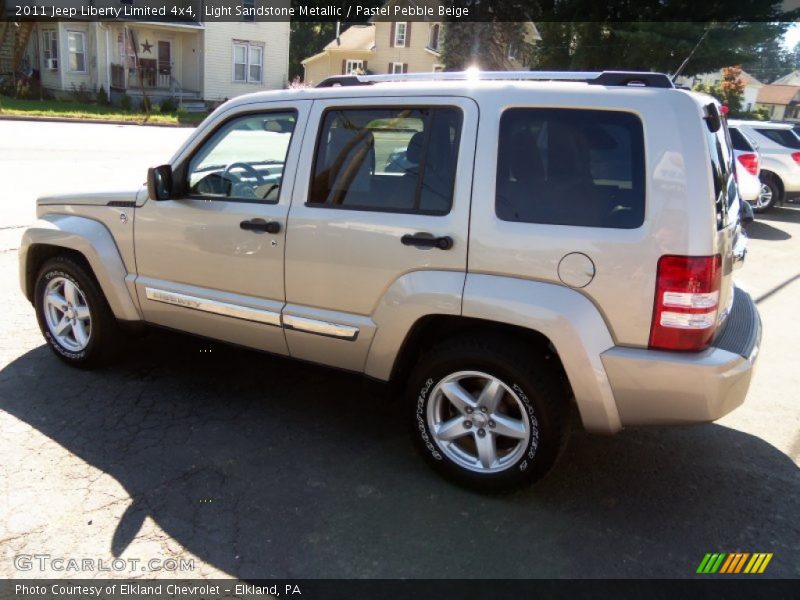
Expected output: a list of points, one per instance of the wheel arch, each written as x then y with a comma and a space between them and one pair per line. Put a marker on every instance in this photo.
89, 243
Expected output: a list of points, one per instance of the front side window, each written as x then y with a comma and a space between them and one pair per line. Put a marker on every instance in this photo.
248, 63
387, 159
571, 167
76, 41
400, 31
243, 159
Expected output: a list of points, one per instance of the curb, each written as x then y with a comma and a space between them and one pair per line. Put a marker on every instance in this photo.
4, 117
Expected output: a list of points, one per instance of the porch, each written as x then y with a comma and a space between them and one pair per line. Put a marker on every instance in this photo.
161, 60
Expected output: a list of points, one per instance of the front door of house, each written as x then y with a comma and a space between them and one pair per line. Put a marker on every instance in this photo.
164, 63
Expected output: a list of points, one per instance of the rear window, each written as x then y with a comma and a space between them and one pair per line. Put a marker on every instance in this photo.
740, 142
571, 167
784, 137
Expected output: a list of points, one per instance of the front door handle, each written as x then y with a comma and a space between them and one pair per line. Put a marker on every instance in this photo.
260, 225
426, 240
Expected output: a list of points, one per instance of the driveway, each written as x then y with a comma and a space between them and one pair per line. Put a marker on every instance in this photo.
254, 466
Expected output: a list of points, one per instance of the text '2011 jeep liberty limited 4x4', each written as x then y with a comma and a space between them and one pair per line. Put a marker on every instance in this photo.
505, 244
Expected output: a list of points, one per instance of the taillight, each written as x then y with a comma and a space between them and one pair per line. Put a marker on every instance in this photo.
686, 303
750, 162
796, 157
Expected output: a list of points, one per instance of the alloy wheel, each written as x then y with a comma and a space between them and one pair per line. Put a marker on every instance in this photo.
67, 314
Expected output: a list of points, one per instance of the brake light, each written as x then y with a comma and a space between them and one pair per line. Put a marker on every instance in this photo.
750, 162
686, 303
796, 157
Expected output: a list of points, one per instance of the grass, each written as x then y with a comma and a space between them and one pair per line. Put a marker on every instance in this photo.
76, 110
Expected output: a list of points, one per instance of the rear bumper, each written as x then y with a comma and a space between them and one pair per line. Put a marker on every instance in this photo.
654, 387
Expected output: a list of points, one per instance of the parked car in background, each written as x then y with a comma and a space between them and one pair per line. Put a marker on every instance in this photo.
748, 167
779, 150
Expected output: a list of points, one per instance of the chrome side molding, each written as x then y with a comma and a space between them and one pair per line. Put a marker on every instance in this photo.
268, 317
225, 309
326, 328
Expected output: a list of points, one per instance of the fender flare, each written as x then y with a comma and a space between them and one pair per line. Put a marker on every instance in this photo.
95, 243
569, 320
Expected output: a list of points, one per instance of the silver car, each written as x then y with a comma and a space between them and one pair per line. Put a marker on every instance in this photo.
575, 245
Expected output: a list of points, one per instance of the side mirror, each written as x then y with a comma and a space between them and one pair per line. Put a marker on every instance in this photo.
159, 182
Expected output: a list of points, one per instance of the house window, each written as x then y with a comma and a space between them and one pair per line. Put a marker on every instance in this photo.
248, 63
400, 34
433, 42
353, 67
76, 43
50, 48
396, 68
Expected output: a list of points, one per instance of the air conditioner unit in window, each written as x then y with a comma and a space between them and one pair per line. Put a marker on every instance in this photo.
51, 63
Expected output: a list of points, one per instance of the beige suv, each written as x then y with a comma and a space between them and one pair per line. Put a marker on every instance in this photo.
504, 245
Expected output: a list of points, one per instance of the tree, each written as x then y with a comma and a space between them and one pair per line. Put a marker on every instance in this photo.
769, 61
649, 46
729, 91
306, 40
485, 45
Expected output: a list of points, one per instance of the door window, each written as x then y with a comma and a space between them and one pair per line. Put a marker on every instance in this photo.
387, 159
243, 159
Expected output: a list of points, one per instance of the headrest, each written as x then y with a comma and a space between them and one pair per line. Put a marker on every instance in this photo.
414, 150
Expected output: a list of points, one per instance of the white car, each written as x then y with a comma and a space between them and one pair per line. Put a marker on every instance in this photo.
779, 149
748, 167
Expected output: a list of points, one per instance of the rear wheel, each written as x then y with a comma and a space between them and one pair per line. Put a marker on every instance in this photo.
768, 196
488, 414
73, 314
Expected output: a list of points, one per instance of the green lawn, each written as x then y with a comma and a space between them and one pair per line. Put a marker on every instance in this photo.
76, 110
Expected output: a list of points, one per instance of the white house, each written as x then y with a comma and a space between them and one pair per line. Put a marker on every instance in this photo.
208, 61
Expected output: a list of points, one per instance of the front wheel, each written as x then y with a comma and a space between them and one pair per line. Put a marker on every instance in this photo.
488, 413
73, 314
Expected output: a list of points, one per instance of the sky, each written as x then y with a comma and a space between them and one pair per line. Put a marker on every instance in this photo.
792, 36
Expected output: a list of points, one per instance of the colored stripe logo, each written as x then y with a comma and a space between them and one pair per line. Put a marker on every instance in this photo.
734, 563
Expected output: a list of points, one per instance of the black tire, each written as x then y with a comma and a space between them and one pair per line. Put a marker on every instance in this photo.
775, 192
104, 331
534, 380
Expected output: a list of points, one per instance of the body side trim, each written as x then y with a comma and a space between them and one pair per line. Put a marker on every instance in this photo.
225, 309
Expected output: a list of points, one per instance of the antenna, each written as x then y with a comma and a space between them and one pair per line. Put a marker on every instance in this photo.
691, 54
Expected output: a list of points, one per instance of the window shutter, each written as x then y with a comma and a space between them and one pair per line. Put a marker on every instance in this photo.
364, 67
344, 65
389, 68
391, 35
408, 34
405, 67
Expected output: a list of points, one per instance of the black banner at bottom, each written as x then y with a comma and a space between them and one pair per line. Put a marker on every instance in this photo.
389, 589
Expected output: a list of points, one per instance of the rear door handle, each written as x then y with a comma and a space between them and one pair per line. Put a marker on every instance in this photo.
260, 225
426, 240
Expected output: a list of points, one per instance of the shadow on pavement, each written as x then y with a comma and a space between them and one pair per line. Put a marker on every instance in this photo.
788, 213
267, 468
760, 230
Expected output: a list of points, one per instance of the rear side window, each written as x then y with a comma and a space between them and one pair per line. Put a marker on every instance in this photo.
784, 137
387, 159
740, 142
571, 167
722, 169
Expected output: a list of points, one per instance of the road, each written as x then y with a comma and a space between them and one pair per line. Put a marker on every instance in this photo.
253, 466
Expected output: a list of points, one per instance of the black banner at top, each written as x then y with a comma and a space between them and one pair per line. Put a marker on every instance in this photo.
355, 11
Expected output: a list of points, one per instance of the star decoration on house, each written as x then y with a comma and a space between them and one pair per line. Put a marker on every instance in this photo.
147, 46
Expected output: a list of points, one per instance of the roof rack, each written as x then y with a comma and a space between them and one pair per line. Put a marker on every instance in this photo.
607, 78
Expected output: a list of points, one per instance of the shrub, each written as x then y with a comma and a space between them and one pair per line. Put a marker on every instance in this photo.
146, 105
102, 96
169, 105
125, 102
81, 94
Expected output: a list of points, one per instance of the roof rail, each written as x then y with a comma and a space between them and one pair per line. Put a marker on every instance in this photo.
607, 78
